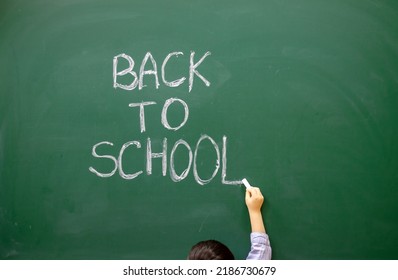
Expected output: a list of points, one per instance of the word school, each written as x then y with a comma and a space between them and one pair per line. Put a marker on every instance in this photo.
192, 160
168, 160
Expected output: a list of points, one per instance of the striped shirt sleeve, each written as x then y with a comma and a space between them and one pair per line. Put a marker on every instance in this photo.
260, 247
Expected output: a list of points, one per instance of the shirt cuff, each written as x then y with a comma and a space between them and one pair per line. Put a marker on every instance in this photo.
259, 237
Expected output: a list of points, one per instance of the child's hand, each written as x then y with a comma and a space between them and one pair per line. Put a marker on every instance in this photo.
254, 199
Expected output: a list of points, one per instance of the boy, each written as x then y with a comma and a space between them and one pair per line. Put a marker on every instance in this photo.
260, 245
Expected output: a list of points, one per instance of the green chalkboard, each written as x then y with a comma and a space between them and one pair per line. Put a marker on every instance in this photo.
126, 126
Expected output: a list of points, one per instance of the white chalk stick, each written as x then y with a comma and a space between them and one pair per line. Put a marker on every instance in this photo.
246, 183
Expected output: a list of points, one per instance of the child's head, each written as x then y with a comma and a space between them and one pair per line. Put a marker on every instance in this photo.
210, 250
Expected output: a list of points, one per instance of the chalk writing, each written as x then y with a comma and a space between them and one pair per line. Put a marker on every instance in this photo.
149, 67
138, 79
166, 163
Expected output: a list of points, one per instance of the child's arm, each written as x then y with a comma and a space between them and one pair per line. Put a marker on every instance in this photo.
260, 244
254, 200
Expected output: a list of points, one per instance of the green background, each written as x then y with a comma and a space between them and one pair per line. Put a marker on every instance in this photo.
305, 91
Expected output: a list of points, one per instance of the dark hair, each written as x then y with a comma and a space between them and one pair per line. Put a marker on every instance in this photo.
210, 250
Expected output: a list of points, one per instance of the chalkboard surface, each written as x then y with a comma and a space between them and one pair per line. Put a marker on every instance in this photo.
126, 127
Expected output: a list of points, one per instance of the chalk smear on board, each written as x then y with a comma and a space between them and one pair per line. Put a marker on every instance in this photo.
202, 224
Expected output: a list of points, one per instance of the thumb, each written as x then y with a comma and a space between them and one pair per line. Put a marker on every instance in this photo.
248, 194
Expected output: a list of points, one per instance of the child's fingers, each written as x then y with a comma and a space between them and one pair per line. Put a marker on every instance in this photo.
254, 191
257, 191
248, 194
255, 194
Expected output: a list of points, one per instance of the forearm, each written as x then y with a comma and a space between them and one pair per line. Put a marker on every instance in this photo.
256, 221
